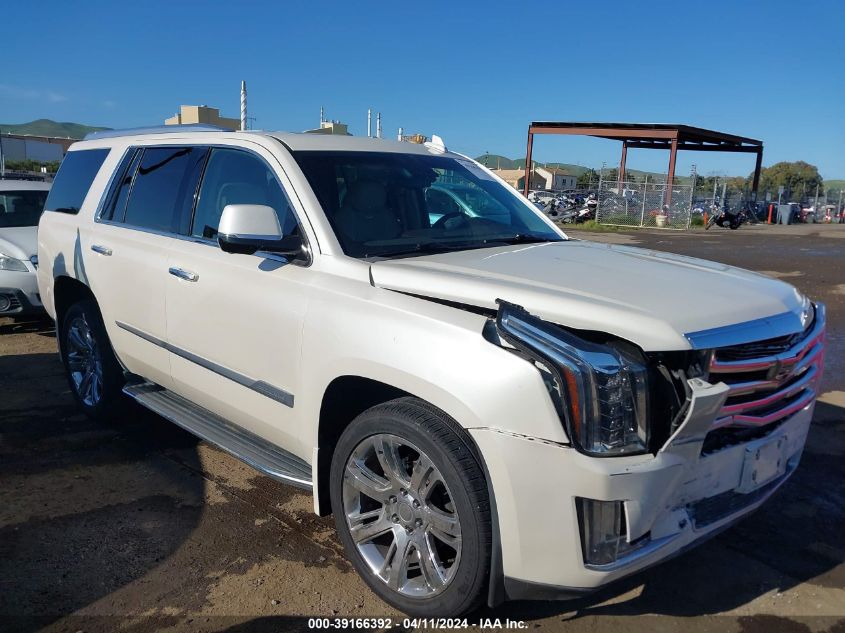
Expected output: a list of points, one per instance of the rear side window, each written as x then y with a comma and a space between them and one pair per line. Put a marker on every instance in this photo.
73, 180
115, 205
163, 191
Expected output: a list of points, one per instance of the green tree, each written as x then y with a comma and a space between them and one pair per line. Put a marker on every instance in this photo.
587, 179
32, 165
610, 175
797, 178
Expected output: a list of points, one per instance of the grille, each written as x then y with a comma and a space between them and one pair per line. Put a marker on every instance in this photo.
769, 381
762, 348
713, 509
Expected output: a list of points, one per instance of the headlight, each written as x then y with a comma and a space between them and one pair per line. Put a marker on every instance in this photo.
601, 391
10, 263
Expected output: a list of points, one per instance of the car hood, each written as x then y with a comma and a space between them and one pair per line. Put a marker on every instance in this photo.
19, 242
653, 299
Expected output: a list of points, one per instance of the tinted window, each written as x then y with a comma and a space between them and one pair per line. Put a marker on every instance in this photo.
21, 208
394, 204
163, 192
237, 177
75, 176
115, 205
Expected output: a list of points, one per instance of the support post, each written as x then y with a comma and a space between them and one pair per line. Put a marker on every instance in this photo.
645, 195
757, 168
528, 153
670, 178
622, 162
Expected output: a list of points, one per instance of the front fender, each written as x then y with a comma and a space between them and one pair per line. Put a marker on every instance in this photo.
432, 351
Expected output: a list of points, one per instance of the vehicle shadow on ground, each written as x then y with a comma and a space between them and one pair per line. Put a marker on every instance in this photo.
86, 507
795, 538
38, 324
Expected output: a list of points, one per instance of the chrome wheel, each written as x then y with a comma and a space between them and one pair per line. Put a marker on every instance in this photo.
84, 362
401, 516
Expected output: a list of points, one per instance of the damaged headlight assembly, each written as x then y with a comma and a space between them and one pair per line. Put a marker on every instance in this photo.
601, 391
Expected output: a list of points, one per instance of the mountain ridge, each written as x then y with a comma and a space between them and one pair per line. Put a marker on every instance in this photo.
48, 127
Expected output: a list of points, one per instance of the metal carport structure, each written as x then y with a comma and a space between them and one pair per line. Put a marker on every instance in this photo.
665, 136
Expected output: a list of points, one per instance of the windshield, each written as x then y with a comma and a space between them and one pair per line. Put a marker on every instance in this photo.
21, 208
393, 204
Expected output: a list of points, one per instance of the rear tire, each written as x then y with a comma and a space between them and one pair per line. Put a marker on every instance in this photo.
412, 509
93, 373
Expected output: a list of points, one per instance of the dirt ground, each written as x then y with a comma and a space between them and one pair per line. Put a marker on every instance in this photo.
135, 525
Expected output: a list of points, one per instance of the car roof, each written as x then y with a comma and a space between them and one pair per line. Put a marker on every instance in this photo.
24, 185
295, 141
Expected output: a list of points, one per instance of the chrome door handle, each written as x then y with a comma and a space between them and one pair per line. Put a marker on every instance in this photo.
102, 250
187, 275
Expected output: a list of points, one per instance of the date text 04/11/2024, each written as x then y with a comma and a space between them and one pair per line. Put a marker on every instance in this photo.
415, 623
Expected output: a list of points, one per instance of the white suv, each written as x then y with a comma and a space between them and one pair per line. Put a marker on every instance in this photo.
490, 409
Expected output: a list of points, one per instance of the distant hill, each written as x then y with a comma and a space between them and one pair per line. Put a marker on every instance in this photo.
46, 127
494, 160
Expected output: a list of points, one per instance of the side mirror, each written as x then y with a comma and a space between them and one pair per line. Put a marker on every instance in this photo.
248, 228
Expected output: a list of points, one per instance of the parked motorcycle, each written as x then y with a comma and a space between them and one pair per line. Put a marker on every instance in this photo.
725, 218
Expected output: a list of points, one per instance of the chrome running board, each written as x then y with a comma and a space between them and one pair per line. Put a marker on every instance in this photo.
248, 447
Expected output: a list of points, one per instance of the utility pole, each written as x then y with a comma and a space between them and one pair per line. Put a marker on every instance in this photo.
816, 202
3, 161
369, 123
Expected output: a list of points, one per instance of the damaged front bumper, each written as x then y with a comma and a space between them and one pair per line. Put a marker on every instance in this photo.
671, 500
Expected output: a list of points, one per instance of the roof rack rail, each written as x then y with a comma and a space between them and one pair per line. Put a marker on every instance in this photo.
156, 129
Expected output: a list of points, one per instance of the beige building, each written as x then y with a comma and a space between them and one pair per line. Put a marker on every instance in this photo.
331, 127
516, 178
556, 179
202, 114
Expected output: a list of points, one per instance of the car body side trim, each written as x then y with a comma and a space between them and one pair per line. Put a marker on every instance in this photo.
259, 386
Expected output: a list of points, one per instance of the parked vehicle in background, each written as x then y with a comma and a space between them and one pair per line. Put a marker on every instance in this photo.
807, 215
490, 409
21, 204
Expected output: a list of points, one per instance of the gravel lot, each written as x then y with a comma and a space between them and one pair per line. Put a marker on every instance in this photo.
137, 525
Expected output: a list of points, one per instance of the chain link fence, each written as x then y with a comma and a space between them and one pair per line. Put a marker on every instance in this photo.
644, 204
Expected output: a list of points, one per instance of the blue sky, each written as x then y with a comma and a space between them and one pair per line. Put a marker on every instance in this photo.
475, 73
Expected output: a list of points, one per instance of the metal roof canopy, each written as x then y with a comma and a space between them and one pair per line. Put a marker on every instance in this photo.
667, 136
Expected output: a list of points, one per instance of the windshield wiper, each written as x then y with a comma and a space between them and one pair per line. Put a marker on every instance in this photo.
423, 248
427, 248
523, 238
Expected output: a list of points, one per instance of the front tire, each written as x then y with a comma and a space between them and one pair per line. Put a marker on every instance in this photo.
412, 509
94, 375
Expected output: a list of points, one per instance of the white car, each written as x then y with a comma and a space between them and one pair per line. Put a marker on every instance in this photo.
21, 204
490, 409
